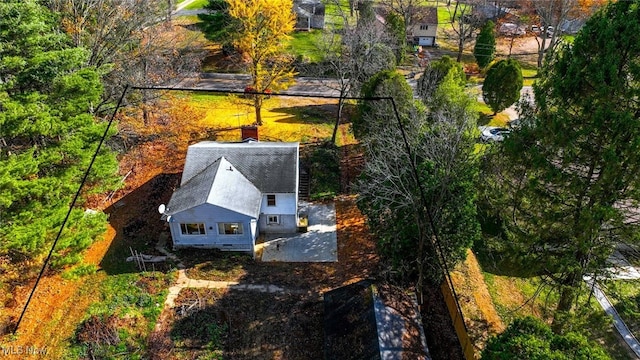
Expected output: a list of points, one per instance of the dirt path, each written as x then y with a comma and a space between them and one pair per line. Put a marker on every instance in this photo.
184, 282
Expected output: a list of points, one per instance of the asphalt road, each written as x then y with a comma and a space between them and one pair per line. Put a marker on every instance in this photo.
303, 86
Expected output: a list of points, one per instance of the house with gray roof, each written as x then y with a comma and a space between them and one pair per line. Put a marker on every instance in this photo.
309, 14
231, 192
424, 26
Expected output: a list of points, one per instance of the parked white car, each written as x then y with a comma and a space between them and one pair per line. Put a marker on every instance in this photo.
511, 29
493, 133
550, 31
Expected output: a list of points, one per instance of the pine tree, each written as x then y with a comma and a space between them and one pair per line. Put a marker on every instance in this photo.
571, 173
502, 85
47, 135
485, 48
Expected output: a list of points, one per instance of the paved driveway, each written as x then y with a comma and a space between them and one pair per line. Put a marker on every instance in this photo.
318, 244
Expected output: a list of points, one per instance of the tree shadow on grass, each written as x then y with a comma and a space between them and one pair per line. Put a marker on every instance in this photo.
309, 114
590, 315
484, 119
500, 256
137, 223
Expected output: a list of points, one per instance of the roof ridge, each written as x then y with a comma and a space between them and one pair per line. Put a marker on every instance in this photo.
215, 162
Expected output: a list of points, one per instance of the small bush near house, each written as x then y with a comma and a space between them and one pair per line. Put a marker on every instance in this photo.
324, 167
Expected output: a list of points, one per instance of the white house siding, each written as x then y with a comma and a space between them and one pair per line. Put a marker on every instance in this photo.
210, 216
426, 41
424, 37
288, 224
286, 209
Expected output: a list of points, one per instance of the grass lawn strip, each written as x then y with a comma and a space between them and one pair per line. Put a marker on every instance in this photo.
625, 297
196, 5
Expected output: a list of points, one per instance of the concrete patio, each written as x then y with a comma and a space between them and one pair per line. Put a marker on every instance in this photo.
318, 244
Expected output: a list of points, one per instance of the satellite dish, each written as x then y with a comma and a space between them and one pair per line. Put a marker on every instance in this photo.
162, 208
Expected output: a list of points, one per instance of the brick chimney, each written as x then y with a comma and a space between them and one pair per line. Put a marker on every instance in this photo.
249, 132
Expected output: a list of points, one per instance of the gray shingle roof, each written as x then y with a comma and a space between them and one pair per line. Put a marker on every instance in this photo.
271, 166
220, 184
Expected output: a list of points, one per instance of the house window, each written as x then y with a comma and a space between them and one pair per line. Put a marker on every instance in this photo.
273, 219
271, 200
230, 228
192, 229
424, 27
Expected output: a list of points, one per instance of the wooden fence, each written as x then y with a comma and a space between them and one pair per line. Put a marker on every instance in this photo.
458, 321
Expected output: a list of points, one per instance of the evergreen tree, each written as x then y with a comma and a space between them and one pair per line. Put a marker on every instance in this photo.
571, 173
386, 83
502, 85
485, 48
47, 135
398, 33
435, 73
217, 24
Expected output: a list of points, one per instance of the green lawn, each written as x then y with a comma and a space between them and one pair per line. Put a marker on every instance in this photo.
304, 44
204, 99
487, 117
197, 5
446, 12
334, 12
529, 75
444, 16
625, 296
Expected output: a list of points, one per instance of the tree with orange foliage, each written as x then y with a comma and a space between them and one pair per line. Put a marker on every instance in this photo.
128, 43
263, 27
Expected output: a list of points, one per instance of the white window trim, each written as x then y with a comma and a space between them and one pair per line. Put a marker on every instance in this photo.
221, 226
201, 229
276, 222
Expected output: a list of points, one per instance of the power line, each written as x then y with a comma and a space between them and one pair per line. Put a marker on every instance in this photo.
73, 203
438, 245
438, 249
432, 225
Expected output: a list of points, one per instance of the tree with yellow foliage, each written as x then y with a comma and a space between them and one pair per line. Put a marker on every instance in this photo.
263, 27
